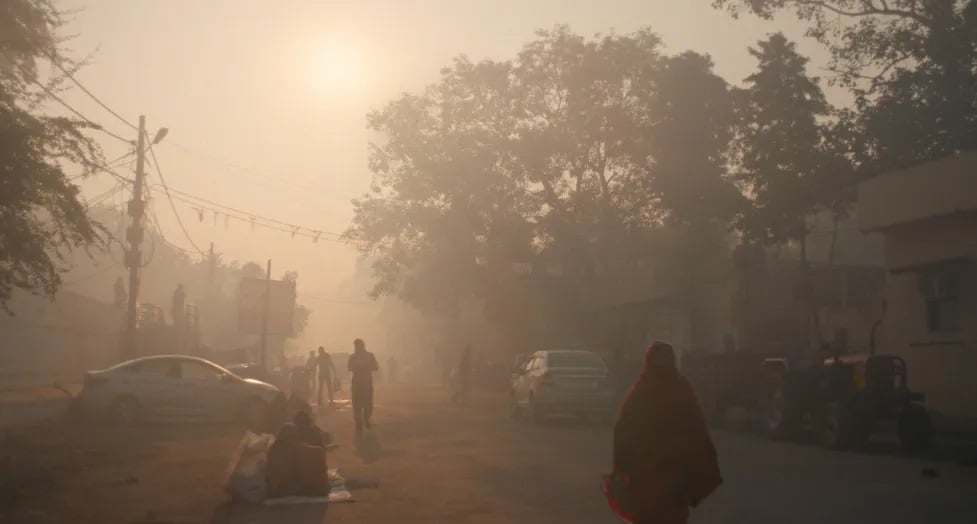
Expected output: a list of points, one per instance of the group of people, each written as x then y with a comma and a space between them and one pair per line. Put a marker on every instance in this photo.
664, 460
321, 374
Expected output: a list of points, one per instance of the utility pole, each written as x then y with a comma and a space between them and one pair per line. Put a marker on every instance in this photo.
264, 320
211, 268
134, 236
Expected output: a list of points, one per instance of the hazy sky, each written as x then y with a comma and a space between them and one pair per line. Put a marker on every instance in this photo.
282, 87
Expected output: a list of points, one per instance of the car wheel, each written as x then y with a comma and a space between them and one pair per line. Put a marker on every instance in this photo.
514, 410
535, 410
841, 427
915, 428
125, 411
779, 418
253, 413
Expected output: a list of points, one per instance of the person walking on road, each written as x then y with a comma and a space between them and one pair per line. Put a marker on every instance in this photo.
362, 365
327, 375
310, 365
664, 459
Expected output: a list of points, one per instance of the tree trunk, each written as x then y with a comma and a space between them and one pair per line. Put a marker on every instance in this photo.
834, 240
809, 291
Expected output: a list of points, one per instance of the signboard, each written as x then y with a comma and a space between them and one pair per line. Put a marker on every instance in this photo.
251, 306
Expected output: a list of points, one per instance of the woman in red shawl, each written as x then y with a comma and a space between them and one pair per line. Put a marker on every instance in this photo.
664, 457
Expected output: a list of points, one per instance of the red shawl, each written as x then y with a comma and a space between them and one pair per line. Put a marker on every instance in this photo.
663, 454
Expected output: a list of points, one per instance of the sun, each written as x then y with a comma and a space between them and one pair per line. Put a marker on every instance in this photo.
337, 67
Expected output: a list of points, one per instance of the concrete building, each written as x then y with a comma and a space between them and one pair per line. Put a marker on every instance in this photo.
928, 217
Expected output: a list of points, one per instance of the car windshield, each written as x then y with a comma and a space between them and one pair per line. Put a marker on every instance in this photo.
575, 360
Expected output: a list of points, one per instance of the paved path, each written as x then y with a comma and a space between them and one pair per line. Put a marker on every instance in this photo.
439, 463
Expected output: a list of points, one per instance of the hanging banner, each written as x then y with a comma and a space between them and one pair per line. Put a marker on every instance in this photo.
251, 304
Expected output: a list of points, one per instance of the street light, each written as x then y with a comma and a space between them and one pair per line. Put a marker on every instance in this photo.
160, 135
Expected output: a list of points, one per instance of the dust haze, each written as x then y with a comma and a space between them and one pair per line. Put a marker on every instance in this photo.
483, 261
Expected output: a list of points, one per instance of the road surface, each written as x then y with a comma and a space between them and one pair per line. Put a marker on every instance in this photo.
440, 463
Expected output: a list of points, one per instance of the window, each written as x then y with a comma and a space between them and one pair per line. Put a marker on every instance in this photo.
943, 314
575, 360
941, 290
198, 371
158, 368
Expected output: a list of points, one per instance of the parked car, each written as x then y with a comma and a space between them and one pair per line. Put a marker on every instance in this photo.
562, 382
175, 386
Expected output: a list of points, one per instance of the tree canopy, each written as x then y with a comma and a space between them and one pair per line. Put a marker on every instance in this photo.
41, 217
566, 156
912, 66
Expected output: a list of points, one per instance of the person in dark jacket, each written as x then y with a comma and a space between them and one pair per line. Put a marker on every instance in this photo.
362, 364
662, 447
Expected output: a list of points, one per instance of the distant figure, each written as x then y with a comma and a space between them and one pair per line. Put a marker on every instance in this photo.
362, 365
179, 305
465, 372
664, 458
120, 292
327, 375
310, 365
392, 369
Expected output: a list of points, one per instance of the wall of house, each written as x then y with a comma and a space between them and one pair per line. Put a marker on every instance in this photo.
943, 365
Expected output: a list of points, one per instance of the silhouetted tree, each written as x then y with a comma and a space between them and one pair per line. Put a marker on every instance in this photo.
911, 64
784, 162
41, 217
564, 157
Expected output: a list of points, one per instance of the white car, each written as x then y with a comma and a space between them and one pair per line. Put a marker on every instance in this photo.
174, 386
562, 382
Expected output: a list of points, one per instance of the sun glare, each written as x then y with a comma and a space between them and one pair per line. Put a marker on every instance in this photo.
337, 67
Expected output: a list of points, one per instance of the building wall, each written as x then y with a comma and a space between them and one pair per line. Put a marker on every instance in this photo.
57, 341
943, 365
918, 193
928, 216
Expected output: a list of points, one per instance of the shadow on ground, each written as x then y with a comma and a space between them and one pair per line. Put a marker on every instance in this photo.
237, 513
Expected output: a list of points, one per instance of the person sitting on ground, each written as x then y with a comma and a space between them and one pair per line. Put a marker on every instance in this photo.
662, 448
309, 432
296, 468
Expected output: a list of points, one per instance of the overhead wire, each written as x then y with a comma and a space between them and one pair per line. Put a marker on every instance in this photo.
202, 204
229, 166
66, 105
179, 220
54, 60
333, 300
92, 275
107, 167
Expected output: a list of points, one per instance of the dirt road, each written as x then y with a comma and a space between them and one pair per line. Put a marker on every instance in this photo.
439, 463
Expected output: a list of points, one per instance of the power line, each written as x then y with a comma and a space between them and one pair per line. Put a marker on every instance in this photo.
237, 167
201, 204
62, 102
179, 220
105, 195
91, 275
334, 300
115, 162
98, 101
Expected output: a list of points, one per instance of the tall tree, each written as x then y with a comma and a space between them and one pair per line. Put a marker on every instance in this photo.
782, 161
41, 217
911, 64
566, 157
785, 164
